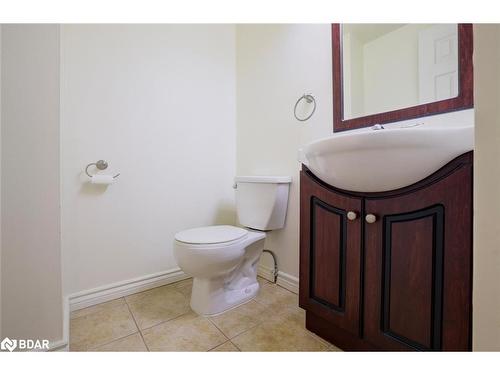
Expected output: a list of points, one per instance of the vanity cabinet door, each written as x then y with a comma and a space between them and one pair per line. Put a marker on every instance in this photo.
418, 258
330, 254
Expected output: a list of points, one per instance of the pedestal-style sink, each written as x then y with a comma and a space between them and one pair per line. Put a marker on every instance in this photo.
371, 160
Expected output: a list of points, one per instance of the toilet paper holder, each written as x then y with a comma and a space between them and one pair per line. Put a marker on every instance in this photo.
101, 165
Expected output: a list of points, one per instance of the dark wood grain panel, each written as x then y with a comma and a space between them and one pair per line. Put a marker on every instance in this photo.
328, 254
464, 99
453, 267
413, 277
409, 280
339, 337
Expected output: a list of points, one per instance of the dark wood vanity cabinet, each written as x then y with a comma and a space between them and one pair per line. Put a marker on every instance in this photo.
400, 282
330, 255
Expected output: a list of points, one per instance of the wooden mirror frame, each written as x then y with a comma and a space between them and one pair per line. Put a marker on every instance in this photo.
464, 99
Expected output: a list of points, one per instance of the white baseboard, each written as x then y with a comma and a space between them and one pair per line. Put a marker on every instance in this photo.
288, 282
284, 280
265, 272
62, 345
59, 346
109, 292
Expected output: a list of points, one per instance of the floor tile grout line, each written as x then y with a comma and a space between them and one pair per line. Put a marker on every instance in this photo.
139, 330
225, 342
169, 285
215, 325
237, 347
303, 328
320, 339
165, 321
312, 335
260, 303
136, 325
94, 348
95, 312
216, 346
283, 316
246, 330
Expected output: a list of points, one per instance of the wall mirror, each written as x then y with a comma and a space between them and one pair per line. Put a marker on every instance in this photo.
391, 72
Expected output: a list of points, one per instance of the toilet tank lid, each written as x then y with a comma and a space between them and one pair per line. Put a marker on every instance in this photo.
264, 179
211, 235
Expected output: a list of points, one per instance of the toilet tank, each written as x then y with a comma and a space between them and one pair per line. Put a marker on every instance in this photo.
261, 201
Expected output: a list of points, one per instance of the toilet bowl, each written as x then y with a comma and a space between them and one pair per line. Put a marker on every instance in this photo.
224, 270
223, 259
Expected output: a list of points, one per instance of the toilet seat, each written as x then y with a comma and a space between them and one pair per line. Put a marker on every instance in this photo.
214, 234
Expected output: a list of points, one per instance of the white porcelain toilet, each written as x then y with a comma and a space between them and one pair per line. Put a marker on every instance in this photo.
223, 259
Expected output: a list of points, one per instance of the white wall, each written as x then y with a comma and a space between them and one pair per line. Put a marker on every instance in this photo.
276, 64
158, 103
486, 324
30, 217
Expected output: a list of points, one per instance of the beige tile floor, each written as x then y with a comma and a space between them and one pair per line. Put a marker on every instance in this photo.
160, 319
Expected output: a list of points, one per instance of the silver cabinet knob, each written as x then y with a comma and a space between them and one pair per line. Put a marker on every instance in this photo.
370, 218
351, 215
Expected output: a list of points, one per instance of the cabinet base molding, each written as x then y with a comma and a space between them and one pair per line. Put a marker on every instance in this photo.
337, 336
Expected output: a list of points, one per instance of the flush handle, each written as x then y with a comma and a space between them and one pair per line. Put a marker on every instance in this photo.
370, 218
351, 215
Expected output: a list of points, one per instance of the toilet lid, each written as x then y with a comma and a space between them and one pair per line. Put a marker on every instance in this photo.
211, 235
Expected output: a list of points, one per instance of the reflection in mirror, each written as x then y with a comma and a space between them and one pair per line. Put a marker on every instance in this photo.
386, 67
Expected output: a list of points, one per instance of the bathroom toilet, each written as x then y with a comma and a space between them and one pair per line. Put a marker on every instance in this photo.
223, 259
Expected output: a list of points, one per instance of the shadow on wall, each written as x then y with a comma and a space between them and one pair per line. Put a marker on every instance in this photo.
226, 214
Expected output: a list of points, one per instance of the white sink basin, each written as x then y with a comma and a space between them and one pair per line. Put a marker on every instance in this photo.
380, 160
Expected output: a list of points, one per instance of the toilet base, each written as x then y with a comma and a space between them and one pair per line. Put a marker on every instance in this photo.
227, 284
214, 297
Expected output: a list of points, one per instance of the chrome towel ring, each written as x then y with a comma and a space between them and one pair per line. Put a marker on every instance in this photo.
309, 99
101, 165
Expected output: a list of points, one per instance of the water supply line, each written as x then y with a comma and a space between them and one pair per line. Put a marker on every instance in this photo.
275, 270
